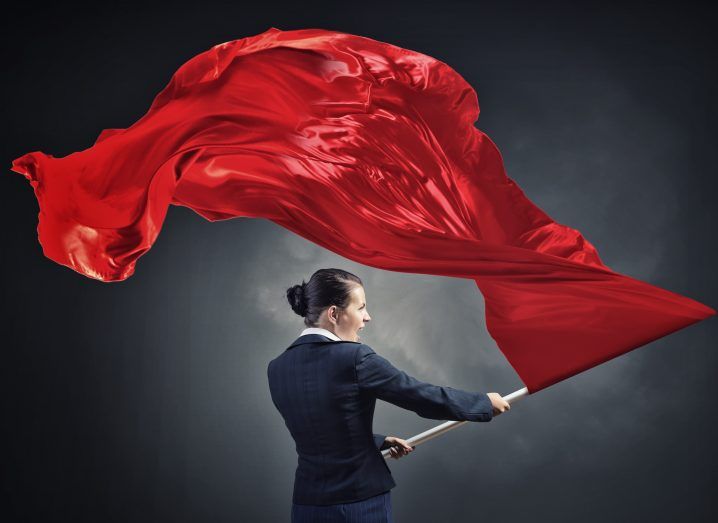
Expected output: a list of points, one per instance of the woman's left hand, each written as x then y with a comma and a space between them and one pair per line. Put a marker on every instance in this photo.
398, 447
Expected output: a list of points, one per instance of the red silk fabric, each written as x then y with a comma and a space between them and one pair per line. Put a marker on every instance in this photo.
370, 151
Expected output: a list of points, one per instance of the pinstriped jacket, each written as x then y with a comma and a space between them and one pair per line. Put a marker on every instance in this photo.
326, 391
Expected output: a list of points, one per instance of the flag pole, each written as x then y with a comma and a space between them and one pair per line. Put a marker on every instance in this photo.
449, 425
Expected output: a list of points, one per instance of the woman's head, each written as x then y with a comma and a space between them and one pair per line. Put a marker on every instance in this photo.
332, 299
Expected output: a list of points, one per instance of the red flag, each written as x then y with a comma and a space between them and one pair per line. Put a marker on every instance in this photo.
370, 151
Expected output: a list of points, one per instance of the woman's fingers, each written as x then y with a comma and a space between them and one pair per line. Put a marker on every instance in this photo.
399, 447
398, 451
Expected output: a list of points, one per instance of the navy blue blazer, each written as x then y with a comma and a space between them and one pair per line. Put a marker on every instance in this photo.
326, 392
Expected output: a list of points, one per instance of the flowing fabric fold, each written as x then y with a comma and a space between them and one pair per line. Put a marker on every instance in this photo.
370, 151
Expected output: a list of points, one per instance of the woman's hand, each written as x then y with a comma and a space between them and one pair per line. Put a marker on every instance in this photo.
498, 403
397, 447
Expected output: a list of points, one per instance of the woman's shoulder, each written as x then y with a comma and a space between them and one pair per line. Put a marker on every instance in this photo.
362, 351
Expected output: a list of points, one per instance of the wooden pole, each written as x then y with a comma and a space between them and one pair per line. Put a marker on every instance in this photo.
450, 425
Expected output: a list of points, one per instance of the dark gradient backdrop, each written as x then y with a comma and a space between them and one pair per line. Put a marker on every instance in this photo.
147, 400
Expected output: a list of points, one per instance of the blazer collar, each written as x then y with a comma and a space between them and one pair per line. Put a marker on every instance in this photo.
315, 338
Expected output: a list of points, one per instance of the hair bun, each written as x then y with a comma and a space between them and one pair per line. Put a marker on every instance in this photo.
296, 298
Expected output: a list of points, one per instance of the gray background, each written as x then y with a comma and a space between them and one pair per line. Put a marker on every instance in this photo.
147, 400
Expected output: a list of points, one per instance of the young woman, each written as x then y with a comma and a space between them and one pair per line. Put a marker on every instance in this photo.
325, 386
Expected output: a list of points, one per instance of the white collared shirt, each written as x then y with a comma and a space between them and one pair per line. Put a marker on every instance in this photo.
324, 332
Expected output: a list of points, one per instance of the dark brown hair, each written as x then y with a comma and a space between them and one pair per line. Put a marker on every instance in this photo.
325, 288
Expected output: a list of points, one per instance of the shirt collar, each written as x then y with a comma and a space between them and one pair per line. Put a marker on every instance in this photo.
323, 332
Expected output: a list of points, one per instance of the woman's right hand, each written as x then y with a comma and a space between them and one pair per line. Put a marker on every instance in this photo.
500, 404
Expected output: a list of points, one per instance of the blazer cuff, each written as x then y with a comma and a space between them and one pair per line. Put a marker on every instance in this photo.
379, 440
489, 413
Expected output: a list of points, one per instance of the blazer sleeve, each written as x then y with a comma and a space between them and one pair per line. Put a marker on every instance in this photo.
379, 441
377, 376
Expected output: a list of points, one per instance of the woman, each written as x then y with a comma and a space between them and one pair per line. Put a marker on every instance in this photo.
325, 386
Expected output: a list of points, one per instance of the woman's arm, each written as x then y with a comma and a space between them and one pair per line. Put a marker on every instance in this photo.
379, 441
379, 377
